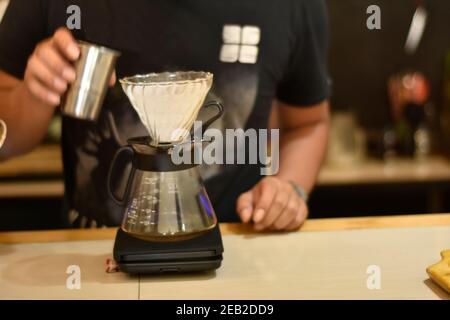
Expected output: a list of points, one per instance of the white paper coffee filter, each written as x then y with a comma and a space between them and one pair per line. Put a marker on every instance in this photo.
168, 103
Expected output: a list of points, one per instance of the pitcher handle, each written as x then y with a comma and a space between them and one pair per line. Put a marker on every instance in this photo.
120, 201
210, 121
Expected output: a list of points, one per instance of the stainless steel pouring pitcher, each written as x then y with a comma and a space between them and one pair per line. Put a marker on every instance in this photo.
94, 69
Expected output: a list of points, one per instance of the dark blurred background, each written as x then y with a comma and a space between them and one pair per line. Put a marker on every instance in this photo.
361, 60
372, 180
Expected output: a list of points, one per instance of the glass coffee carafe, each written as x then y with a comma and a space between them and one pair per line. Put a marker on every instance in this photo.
162, 201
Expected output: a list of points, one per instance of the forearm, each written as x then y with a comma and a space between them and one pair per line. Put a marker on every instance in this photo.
301, 153
27, 105
27, 120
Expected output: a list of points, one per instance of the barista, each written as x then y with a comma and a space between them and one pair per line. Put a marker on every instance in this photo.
269, 62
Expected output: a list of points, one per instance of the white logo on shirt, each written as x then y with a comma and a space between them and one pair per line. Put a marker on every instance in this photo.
240, 44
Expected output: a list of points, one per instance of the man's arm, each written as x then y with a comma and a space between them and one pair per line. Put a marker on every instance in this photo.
27, 105
304, 138
273, 203
26, 117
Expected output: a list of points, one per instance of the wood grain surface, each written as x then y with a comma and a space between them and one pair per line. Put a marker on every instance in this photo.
424, 220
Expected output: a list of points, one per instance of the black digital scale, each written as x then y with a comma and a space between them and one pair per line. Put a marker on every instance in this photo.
136, 256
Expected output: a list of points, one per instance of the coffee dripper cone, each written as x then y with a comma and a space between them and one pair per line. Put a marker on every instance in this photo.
168, 103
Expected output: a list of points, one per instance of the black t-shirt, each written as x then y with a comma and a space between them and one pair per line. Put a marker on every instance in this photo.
258, 51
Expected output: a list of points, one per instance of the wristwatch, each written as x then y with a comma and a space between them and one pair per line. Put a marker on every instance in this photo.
300, 191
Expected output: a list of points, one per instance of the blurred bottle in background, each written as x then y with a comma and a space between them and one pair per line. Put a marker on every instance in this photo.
347, 145
445, 115
54, 130
3, 5
412, 114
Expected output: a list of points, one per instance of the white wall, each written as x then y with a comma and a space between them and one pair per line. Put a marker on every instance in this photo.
3, 4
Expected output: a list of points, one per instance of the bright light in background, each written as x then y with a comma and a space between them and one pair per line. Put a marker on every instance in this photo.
3, 5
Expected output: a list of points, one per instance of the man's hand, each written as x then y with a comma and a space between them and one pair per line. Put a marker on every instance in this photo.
27, 105
272, 204
49, 70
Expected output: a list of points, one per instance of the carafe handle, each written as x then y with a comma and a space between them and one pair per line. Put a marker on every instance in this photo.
117, 199
210, 121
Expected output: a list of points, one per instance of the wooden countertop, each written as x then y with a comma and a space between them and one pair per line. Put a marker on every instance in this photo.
332, 224
433, 169
43, 161
34, 175
40, 173
327, 259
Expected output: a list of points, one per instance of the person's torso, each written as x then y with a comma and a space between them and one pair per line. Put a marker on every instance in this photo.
246, 44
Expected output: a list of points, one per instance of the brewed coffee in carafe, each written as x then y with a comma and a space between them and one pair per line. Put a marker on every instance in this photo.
168, 206
164, 201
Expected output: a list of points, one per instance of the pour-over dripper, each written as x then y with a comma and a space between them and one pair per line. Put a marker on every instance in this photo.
168, 103
163, 200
